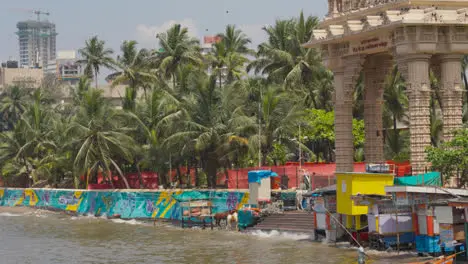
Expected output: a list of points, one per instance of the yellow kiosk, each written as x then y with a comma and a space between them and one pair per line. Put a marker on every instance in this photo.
349, 184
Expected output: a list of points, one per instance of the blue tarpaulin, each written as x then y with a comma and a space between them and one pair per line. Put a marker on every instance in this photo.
257, 176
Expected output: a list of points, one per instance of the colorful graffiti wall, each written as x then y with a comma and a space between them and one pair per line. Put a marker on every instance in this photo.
132, 204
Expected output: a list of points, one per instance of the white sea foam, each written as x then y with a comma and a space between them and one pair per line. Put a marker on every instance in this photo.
129, 222
9, 214
281, 235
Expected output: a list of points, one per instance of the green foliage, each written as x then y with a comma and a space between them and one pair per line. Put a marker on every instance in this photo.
94, 56
320, 125
320, 134
451, 158
358, 133
184, 107
278, 156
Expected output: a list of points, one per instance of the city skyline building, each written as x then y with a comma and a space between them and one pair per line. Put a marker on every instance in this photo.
65, 67
37, 43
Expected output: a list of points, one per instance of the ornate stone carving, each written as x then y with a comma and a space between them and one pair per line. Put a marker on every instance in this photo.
336, 30
450, 86
462, 15
354, 25
375, 71
374, 21
345, 81
393, 16
427, 33
319, 34
415, 69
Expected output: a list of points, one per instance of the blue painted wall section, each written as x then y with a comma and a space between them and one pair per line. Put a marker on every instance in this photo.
126, 204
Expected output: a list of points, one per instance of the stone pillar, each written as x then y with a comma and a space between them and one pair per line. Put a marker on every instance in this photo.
451, 91
332, 8
376, 69
415, 70
345, 80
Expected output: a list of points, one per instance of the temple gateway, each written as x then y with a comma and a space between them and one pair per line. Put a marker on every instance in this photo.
373, 35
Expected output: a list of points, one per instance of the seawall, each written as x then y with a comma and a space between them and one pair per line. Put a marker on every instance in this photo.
127, 204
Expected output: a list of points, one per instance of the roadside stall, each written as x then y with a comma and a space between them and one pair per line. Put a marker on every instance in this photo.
323, 206
260, 186
389, 224
197, 213
196, 209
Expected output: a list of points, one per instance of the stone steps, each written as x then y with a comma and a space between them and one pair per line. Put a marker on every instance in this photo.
295, 221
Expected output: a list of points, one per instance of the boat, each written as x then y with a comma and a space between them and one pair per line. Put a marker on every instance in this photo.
440, 260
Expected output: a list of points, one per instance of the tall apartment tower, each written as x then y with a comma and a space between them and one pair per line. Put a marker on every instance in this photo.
37, 43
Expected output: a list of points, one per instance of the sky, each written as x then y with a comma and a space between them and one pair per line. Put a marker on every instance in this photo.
117, 20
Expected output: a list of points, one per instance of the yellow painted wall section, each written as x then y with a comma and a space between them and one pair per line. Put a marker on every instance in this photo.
357, 222
377, 224
349, 184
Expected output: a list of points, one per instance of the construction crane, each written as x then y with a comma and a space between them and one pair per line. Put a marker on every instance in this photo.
38, 13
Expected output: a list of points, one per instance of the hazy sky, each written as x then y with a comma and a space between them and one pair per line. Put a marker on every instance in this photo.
118, 20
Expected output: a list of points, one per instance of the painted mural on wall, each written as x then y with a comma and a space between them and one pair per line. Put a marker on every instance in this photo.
156, 205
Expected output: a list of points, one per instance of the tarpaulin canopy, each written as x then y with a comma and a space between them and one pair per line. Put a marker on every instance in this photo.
427, 179
258, 175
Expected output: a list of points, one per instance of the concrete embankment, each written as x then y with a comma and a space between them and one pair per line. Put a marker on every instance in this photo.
138, 204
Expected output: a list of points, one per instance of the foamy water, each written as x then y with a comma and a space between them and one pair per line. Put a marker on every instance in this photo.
10, 214
128, 222
89, 239
274, 234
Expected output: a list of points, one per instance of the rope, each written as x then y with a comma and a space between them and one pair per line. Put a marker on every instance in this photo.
342, 226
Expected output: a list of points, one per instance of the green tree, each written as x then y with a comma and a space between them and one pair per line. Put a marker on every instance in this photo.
283, 58
79, 90
226, 65
279, 116
100, 137
394, 111
95, 55
134, 71
451, 158
12, 105
319, 131
210, 120
235, 40
177, 49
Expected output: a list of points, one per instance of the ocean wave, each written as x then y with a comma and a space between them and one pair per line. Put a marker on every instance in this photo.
281, 235
128, 222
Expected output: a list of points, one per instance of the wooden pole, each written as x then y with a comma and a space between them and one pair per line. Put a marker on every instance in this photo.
396, 229
211, 215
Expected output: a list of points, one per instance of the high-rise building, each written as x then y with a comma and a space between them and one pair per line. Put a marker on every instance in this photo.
37, 43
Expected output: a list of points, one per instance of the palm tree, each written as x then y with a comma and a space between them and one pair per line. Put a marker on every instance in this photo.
95, 55
177, 49
212, 119
99, 137
235, 41
13, 105
394, 111
13, 167
79, 90
134, 71
227, 66
279, 117
282, 58
395, 99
